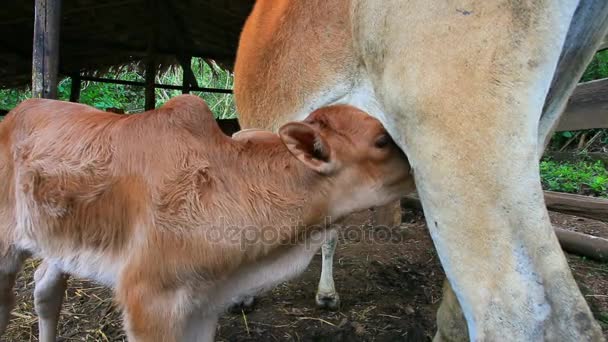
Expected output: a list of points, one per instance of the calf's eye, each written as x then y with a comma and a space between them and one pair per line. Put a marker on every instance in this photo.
382, 141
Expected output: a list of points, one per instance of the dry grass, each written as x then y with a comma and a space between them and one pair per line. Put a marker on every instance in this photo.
88, 312
389, 292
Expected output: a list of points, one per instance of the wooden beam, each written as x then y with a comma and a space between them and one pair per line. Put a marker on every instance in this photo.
150, 91
156, 85
151, 61
586, 245
75, 88
188, 79
584, 206
587, 107
45, 58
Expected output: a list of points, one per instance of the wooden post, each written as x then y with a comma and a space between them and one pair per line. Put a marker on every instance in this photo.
75, 88
150, 91
189, 80
150, 86
45, 58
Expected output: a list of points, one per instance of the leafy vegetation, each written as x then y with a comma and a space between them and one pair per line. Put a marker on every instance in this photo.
583, 177
131, 98
598, 68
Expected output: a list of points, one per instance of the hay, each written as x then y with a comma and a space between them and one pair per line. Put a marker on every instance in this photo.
88, 312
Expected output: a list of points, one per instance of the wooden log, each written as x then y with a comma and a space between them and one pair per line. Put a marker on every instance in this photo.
75, 88
590, 246
587, 107
586, 245
45, 56
583, 206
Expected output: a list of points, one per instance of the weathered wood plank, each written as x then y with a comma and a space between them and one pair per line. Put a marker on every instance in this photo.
45, 56
587, 108
583, 206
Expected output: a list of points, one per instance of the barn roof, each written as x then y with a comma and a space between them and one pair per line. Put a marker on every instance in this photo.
99, 34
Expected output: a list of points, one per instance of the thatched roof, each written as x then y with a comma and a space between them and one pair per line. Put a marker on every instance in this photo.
98, 34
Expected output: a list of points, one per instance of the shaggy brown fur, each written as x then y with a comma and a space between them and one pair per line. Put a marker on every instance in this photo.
159, 205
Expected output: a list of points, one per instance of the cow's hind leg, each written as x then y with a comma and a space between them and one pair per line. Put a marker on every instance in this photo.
468, 119
327, 296
48, 297
10, 264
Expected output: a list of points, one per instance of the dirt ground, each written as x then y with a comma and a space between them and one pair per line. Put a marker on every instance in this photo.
390, 290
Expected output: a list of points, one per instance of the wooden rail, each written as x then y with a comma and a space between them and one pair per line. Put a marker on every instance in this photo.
587, 108
583, 206
156, 85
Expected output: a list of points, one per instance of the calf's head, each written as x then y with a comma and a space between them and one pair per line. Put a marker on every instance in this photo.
362, 165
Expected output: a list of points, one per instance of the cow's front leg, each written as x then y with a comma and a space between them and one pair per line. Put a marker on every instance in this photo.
468, 119
327, 296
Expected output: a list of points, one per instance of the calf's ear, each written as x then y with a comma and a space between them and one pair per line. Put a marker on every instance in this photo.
306, 143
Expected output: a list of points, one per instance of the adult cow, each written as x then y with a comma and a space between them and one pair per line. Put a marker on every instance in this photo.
460, 85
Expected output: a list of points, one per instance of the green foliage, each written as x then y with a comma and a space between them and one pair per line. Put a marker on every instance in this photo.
208, 76
131, 98
598, 68
10, 98
584, 177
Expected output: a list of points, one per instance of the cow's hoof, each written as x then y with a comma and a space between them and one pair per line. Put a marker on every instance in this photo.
328, 301
243, 304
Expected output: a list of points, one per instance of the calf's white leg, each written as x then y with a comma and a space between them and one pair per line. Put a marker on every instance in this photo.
10, 264
327, 296
200, 328
50, 287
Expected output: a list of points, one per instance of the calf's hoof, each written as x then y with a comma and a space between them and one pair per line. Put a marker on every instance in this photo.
328, 301
243, 304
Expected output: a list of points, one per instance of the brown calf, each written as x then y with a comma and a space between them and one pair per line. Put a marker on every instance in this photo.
177, 217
